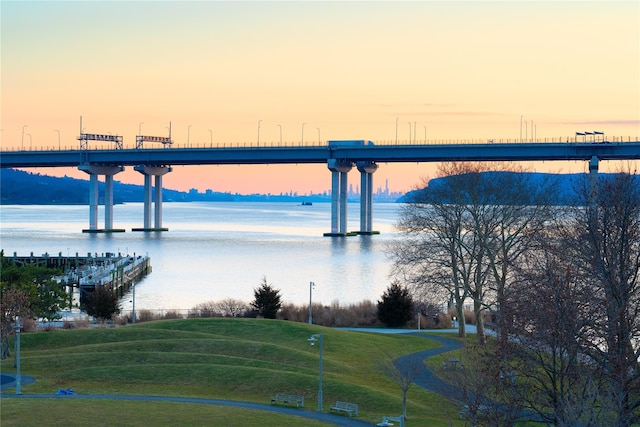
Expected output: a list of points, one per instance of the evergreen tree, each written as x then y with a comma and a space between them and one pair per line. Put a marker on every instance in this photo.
396, 307
267, 300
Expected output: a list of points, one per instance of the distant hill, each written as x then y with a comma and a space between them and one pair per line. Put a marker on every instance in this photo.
24, 188
566, 185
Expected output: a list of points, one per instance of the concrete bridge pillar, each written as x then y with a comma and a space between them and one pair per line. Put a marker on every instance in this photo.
108, 172
148, 172
339, 170
366, 196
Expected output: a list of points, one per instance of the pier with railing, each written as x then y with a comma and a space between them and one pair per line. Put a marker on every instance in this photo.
86, 273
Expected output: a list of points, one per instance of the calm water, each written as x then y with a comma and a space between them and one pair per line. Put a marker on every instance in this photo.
214, 251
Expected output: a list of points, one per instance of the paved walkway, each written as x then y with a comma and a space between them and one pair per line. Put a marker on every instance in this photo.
426, 379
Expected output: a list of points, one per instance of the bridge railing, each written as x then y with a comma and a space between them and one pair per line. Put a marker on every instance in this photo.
241, 145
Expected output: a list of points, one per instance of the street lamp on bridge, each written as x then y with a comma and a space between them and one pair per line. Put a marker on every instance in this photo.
259, 121
56, 130
397, 130
280, 126
22, 141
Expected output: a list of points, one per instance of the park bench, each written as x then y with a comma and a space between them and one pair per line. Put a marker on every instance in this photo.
286, 399
345, 408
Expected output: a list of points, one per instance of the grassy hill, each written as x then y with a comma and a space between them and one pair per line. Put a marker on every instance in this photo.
237, 359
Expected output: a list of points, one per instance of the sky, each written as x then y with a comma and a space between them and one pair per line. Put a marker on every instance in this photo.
276, 72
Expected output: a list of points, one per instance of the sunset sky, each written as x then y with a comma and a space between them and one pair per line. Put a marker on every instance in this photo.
233, 72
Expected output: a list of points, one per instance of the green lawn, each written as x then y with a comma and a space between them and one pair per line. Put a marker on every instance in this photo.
236, 359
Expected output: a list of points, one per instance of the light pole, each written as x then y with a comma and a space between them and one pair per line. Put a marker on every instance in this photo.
318, 136
312, 340
22, 141
280, 126
188, 133
311, 286
17, 357
409, 132
521, 128
303, 133
133, 302
56, 130
397, 130
30, 141
210, 137
425, 134
140, 128
526, 131
259, 131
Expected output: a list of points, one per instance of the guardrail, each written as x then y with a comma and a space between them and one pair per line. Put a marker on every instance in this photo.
240, 145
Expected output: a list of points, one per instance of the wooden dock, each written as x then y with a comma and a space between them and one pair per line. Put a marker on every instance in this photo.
86, 273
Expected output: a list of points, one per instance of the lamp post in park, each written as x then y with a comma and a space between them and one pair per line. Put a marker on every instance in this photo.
133, 302
17, 357
311, 286
312, 340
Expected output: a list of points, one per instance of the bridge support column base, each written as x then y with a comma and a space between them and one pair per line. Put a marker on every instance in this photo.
151, 229
350, 233
366, 233
103, 230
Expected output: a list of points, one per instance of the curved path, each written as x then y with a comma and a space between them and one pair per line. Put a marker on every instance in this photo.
426, 379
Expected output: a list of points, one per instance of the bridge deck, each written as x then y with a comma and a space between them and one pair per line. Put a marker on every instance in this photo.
389, 153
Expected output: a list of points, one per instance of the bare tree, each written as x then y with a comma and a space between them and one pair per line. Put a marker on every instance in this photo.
489, 393
607, 248
510, 210
426, 256
551, 315
404, 371
463, 234
230, 307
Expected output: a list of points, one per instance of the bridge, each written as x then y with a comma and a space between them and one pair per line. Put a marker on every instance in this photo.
339, 156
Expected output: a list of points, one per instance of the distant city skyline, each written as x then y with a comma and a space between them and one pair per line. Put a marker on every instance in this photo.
273, 72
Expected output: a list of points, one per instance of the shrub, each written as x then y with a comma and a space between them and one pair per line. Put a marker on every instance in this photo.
102, 303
